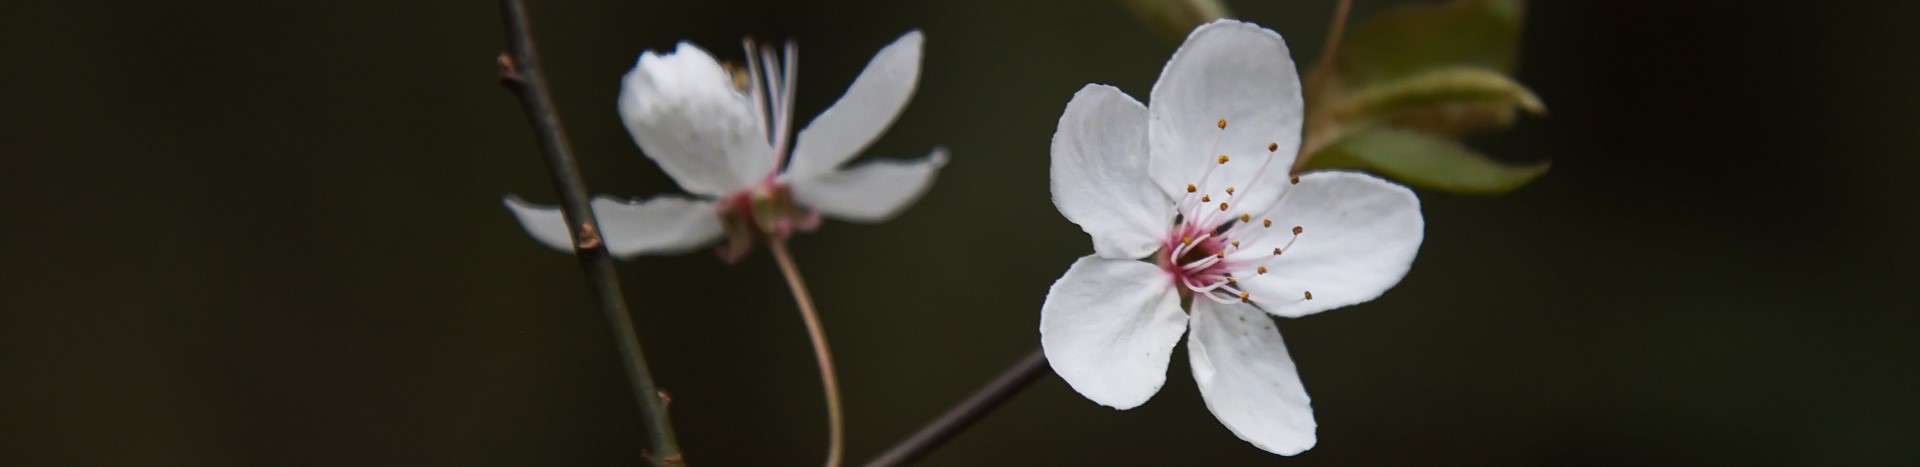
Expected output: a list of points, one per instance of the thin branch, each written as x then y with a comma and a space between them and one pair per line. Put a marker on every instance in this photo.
961, 416
1319, 133
520, 72
836, 431
1336, 31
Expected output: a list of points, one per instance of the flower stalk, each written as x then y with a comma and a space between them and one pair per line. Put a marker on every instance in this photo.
829, 384
520, 72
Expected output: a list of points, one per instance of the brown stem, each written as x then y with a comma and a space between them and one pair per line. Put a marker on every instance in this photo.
830, 384
520, 72
963, 415
1316, 138
1336, 31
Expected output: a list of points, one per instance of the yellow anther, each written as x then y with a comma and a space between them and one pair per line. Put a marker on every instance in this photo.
1188, 240
1266, 223
1191, 188
1222, 254
1223, 206
1236, 243
1223, 124
1246, 217
1271, 147
1261, 270
1206, 198
1230, 281
1229, 191
1297, 230
1309, 294
1244, 298
1276, 251
1223, 158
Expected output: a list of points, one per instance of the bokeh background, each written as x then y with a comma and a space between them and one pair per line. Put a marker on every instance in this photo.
270, 233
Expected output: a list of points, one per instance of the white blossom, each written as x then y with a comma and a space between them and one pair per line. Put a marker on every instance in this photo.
1198, 227
724, 136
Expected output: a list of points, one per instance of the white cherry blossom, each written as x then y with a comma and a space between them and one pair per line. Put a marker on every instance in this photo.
1198, 227
731, 149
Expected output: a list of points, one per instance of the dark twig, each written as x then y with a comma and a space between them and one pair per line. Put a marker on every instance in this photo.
520, 72
961, 416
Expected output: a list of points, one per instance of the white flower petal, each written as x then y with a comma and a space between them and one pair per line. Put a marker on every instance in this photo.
1247, 378
872, 191
1108, 328
657, 226
1244, 74
1358, 237
685, 113
866, 110
1099, 174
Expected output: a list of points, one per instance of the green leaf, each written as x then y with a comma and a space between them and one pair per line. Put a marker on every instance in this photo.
1449, 101
1424, 160
1442, 86
1174, 19
1411, 40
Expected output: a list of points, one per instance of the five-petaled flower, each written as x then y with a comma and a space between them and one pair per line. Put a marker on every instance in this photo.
728, 146
1198, 225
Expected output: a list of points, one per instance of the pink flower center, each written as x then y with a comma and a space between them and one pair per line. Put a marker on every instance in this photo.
767, 209
1211, 247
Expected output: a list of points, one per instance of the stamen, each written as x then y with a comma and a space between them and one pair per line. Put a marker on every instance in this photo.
1309, 294
757, 89
770, 67
1206, 198
1271, 147
1187, 241
1256, 173
1203, 263
1229, 191
1218, 299
1236, 243
1261, 270
1266, 223
1223, 124
1244, 298
1230, 281
790, 73
1276, 251
1297, 230
1222, 254
1191, 188
1295, 180
1213, 147
1202, 289
1184, 248
1245, 217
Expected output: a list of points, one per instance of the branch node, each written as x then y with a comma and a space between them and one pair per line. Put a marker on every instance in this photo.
509, 71
589, 240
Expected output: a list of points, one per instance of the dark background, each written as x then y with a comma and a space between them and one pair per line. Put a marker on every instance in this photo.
259, 233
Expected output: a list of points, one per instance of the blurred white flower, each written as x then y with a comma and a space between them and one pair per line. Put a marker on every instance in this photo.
729, 147
1197, 224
